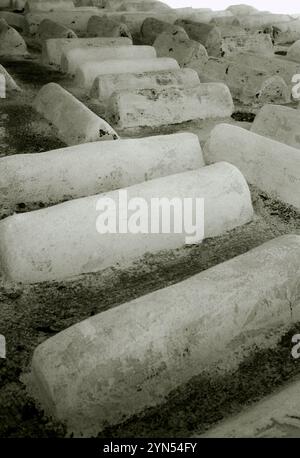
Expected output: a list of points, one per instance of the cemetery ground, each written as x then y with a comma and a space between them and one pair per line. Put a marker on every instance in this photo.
31, 313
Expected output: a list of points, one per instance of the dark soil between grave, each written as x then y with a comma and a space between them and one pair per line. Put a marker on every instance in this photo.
31, 314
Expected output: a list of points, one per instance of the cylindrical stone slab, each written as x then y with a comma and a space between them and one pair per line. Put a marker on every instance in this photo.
276, 416
73, 121
113, 5
76, 19
104, 27
225, 21
271, 166
3, 25
88, 71
274, 90
48, 5
50, 29
278, 123
18, 4
152, 108
242, 10
11, 42
287, 32
86, 3
105, 85
62, 241
134, 21
152, 27
204, 15
293, 52
173, 105
188, 11
17, 21
136, 6
265, 19
29, 180
272, 64
188, 53
215, 100
237, 39
73, 58
116, 364
247, 83
201, 16
53, 49
207, 34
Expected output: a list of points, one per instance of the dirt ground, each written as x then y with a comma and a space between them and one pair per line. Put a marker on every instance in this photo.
31, 314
